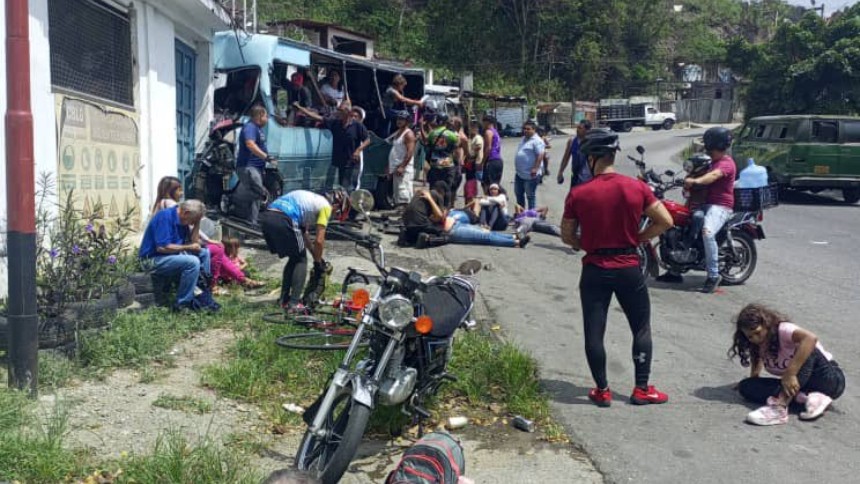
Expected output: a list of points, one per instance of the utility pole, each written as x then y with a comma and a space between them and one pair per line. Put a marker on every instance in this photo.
821, 8
20, 203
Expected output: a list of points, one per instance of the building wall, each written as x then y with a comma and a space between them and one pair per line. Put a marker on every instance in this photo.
155, 26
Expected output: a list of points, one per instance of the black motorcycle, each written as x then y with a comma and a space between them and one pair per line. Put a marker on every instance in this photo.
408, 327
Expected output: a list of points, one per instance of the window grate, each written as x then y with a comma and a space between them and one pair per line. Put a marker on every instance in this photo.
91, 49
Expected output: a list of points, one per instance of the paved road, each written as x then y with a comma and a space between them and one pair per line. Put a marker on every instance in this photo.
807, 268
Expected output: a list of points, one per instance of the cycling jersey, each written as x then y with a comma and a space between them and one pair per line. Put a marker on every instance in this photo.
304, 207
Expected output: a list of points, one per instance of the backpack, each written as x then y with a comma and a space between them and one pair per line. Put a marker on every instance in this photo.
435, 459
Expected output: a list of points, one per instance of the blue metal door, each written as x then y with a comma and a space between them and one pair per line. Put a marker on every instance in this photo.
185, 110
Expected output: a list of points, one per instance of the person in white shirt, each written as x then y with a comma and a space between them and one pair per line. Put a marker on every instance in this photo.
401, 162
494, 209
331, 89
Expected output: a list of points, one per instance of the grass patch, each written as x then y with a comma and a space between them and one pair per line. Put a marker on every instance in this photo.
55, 370
182, 404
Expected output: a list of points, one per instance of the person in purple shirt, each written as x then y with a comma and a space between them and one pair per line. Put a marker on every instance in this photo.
718, 208
493, 166
175, 250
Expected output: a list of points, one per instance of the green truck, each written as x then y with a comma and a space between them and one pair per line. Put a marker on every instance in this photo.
805, 152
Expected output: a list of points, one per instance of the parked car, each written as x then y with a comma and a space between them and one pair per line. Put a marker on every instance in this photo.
805, 152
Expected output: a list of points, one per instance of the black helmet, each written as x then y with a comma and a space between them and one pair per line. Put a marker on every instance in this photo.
600, 142
718, 138
441, 118
697, 164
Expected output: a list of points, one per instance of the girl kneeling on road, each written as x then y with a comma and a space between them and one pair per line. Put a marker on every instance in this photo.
808, 373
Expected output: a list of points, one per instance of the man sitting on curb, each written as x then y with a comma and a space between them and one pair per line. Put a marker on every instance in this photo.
175, 251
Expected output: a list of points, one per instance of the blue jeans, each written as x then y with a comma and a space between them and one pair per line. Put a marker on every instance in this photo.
187, 266
715, 217
524, 189
464, 233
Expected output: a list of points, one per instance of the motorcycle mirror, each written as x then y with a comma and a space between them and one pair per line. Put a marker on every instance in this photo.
670, 173
470, 267
640, 149
362, 200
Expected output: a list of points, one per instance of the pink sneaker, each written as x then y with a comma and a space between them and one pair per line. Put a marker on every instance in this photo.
771, 414
816, 404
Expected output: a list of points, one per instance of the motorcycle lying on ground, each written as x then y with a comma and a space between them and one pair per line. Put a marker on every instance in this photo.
675, 253
408, 327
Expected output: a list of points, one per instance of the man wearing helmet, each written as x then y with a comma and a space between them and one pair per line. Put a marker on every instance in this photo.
607, 210
720, 200
285, 227
442, 156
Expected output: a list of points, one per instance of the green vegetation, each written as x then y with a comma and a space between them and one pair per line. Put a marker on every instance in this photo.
550, 49
810, 67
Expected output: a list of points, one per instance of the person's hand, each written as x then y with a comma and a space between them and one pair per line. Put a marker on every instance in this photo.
534, 172
193, 248
790, 385
356, 155
560, 179
401, 170
688, 183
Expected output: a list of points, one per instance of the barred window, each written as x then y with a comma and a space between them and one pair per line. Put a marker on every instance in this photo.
91, 49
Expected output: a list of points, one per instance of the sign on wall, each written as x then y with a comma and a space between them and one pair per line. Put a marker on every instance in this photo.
99, 157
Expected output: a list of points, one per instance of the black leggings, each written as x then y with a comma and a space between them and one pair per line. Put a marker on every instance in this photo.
451, 177
596, 287
816, 375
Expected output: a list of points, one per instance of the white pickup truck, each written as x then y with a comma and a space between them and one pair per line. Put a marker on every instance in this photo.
623, 116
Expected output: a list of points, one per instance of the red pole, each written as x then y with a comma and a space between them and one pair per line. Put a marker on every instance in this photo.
20, 202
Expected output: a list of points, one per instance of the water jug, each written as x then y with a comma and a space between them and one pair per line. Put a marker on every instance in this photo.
753, 176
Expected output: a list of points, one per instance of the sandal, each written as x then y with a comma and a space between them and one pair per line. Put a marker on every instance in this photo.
252, 284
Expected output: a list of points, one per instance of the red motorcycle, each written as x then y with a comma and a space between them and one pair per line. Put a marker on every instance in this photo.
678, 251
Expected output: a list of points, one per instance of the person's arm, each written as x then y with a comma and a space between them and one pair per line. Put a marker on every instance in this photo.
704, 180
488, 144
364, 144
569, 227
194, 236
318, 243
565, 159
437, 212
805, 341
251, 144
541, 151
661, 221
409, 141
406, 100
756, 366
307, 112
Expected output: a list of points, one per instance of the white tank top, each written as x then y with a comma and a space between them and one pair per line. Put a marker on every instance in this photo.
398, 151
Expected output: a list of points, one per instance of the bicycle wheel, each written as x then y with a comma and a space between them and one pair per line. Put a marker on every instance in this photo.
278, 318
330, 340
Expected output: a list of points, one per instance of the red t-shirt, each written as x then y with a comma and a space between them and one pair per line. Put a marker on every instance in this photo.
609, 210
722, 191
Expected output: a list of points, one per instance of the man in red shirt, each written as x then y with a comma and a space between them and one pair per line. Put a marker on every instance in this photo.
608, 211
718, 208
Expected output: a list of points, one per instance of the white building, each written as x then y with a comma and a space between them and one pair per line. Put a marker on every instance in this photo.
121, 95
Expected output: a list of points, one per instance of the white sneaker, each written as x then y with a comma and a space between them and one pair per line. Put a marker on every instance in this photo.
771, 414
816, 404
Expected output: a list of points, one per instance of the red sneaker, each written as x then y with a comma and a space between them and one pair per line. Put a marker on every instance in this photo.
601, 398
645, 397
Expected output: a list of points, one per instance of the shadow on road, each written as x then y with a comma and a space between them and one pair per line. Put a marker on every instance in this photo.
570, 394
724, 393
791, 197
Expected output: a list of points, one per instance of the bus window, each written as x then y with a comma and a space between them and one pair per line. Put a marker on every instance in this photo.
240, 92
759, 130
824, 131
851, 131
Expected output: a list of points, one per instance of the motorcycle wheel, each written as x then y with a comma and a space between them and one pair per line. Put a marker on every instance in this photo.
644, 261
328, 456
736, 270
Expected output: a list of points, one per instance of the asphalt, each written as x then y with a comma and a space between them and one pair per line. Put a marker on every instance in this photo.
806, 268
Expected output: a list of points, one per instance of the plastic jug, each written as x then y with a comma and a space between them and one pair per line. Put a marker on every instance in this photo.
753, 176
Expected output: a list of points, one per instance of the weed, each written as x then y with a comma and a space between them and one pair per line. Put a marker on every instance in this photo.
183, 404
55, 370
174, 459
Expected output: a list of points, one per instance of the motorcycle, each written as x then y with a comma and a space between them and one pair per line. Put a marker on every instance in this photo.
674, 253
215, 166
408, 326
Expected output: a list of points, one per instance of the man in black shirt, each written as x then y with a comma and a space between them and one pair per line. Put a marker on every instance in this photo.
349, 139
418, 218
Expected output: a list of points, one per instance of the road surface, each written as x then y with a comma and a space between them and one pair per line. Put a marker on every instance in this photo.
807, 268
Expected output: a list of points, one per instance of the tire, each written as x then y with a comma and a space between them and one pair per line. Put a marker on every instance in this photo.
627, 127
351, 421
656, 127
851, 195
125, 295
142, 282
668, 124
329, 340
745, 246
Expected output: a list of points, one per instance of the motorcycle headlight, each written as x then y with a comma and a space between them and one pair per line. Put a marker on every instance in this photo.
395, 312
688, 166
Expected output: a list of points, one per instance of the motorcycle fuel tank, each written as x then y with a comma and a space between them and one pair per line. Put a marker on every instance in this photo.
679, 212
